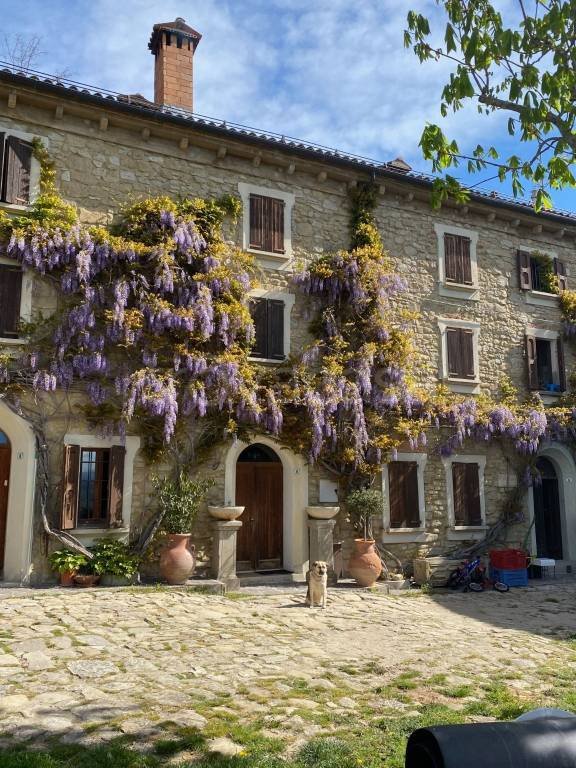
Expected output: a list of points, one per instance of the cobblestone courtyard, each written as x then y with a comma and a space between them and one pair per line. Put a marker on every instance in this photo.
148, 665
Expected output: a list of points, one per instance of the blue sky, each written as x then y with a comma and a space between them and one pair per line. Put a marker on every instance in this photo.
330, 71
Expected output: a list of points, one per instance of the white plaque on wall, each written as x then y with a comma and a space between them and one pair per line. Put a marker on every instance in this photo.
328, 492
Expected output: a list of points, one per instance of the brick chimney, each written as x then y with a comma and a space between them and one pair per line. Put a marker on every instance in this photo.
173, 44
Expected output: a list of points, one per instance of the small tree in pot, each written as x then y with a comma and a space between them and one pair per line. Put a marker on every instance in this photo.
364, 565
67, 564
179, 502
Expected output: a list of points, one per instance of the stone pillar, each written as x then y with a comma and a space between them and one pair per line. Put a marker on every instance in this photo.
322, 544
224, 552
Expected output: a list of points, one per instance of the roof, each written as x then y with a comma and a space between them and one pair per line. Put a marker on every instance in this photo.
178, 26
137, 106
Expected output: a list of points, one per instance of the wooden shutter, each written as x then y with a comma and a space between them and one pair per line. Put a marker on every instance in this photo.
259, 318
467, 345
403, 494
560, 272
17, 164
473, 510
532, 363
70, 481
116, 486
524, 271
561, 365
460, 352
277, 225
275, 312
459, 492
256, 222
457, 262
2, 138
10, 295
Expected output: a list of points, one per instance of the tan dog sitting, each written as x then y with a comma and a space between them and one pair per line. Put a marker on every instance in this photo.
317, 578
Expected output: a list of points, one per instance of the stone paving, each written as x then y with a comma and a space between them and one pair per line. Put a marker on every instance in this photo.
86, 665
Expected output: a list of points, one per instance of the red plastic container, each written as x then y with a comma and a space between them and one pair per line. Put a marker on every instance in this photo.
508, 559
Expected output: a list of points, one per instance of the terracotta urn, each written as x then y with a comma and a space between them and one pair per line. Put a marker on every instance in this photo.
177, 561
364, 564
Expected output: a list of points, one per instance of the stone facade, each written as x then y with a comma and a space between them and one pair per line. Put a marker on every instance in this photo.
104, 158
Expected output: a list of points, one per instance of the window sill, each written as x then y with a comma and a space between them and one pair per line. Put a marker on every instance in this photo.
549, 398
11, 342
79, 532
407, 536
467, 533
266, 360
465, 386
14, 207
269, 254
542, 299
459, 291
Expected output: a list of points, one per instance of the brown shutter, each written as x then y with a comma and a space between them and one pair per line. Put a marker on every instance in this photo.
259, 318
450, 266
70, 481
466, 261
560, 272
277, 219
474, 513
467, 345
524, 271
561, 365
403, 494
10, 295
454, 351
457, 262
116, 486
256, 222
532, 363
2, 137
459, 492
411, 503
275, 329
395, 494
17, 171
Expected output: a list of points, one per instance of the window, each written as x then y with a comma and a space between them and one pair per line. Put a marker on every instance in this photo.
93, 485
457, 264
541, 272
268, 318
457, 261
466, 494
266, 224
545, 361
403, 494
15, 167
10, 300
459, 354
267, 216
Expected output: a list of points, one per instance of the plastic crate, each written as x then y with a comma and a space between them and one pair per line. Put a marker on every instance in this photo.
508, 559
517, 577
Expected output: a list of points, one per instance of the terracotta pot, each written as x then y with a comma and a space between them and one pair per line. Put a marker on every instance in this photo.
67, 578
86, 579
177, 561
365, 565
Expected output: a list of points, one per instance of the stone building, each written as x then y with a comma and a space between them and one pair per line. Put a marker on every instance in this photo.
473, 277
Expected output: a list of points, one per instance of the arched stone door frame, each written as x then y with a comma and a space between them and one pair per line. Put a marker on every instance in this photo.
562, 460
294, 498
19, 525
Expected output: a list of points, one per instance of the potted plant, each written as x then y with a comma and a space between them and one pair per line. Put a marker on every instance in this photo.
86, 576
66, 563
178, 502
115, 563
364, 565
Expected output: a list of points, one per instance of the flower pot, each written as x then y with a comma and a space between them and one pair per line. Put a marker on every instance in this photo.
225, 513
67, 578
86, 579
364, 565
177, 561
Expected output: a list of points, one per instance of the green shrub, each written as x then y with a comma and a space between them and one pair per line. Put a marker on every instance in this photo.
179, 501
362, 506
66, 561
114, 557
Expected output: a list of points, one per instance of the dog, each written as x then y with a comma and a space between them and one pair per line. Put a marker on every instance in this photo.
317, 578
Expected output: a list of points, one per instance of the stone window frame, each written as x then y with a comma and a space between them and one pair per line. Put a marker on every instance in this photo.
289, 299
548, 398
132, 446
34, 169
267, 258
541, 298
464, 386
467, 292
465, 532
25, 298
405, 535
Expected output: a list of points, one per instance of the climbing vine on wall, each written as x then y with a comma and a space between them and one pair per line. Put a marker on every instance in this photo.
154, 327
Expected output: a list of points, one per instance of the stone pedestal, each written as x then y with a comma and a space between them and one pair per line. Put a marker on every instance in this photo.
224, 552
321, 538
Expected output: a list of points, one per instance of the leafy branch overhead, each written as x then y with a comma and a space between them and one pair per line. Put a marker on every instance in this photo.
523, 67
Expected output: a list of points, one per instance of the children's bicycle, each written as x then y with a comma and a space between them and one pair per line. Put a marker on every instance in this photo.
470, 576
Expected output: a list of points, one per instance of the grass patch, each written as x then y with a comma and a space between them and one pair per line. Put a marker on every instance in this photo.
500, 703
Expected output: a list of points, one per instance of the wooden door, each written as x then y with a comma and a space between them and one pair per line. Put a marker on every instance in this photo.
4, 480
259, 489
547, 519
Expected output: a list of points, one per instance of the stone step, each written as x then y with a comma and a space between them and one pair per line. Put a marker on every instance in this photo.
273, 579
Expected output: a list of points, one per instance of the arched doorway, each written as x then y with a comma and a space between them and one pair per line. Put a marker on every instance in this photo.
547, 512
5, 455
259, 488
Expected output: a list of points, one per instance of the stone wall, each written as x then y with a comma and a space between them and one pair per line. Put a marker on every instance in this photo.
99, 170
